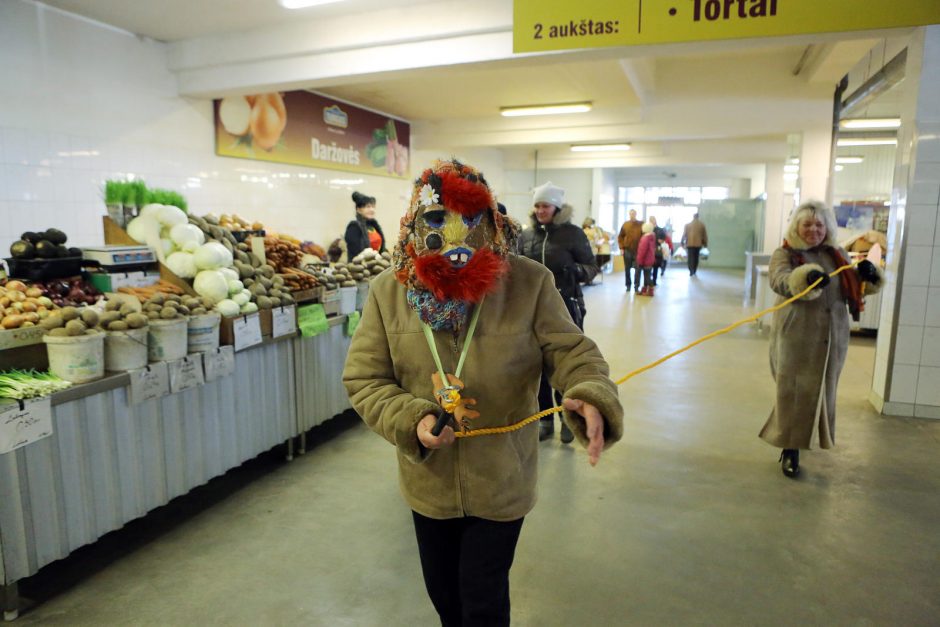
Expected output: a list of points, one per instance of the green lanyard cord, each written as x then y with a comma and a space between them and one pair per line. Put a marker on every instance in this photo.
429, 336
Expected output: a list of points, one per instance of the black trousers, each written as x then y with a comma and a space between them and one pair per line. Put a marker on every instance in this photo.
693, 258
466, 564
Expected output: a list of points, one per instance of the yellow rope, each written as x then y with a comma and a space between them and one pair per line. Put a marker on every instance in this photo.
630, 375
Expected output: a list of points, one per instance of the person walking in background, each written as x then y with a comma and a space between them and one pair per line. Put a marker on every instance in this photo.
810, 337
555, 242
363, 232
660, 234
646, 258
599, 240
694, 238
629, 240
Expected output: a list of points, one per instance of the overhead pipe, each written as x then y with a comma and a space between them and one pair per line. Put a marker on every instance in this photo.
881, 81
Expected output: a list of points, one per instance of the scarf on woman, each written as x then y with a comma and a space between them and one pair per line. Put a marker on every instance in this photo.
848, 281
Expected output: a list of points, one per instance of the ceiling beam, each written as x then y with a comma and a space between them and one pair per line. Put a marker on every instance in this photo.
835, 59
641, 72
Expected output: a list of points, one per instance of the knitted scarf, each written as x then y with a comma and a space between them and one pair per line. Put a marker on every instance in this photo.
848, 281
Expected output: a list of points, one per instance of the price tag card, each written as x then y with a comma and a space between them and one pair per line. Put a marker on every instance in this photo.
247, 331
186, 373
152, 381
284, 321
219, 363
23, 422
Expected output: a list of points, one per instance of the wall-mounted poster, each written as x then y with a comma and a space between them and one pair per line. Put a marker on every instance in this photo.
858, 215
304, 128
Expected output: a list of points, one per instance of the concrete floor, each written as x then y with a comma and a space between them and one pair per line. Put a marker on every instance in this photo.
688, 521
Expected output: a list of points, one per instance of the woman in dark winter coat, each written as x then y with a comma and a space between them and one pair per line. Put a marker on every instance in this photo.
363, 232
810, 337
564, 249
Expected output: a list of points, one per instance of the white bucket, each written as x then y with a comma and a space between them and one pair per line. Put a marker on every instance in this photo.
347, 301
204, 332
167, 340
125, 350
76, 358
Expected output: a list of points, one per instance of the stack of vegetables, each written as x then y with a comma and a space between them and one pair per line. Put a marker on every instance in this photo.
48, 244
71, 321
29, 384
22, 306
236, 223
368, 264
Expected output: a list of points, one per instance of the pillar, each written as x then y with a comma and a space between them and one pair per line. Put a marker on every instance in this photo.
906, 379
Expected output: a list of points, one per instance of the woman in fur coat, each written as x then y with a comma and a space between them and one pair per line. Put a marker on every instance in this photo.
810, 337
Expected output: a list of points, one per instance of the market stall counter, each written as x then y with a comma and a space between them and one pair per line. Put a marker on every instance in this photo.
110, 460
319, 376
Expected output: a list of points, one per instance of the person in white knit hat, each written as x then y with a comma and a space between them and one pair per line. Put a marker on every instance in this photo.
564, 249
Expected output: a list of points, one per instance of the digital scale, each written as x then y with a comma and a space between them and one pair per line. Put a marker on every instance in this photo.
119, 257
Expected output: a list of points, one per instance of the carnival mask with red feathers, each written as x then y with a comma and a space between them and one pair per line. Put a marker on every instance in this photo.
453, 243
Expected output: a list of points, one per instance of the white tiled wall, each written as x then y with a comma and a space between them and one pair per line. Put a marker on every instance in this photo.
913, 360
80, 104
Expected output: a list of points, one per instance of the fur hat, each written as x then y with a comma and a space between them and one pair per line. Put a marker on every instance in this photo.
549, 193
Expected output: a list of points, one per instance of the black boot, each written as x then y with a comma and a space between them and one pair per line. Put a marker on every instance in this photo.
790, 458
546, 428
567, 437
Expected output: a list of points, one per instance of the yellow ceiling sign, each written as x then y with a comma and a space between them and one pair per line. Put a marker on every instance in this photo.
558, 24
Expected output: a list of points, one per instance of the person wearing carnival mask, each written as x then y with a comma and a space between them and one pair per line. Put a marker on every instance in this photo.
563, 248
460, 323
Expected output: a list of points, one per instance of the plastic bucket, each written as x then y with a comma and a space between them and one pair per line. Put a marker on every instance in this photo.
125, 350
347, 300
362, 295
167, 339
78, 358
203, 332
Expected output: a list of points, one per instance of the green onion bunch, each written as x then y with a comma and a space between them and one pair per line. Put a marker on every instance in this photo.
29, 384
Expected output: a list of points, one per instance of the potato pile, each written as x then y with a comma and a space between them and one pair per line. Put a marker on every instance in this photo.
343, 273
22, 306
235, 222
368, 264
268, 289
118, 316
322, 273
174, 306
71, 321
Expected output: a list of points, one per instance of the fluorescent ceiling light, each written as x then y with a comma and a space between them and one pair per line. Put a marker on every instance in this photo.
847, 160
867, 141
870, 123
839, 168
794, 160
600, 147
791, 168
549, 109
303, 4
790, 176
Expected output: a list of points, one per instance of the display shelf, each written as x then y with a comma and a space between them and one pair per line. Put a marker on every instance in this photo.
109, 462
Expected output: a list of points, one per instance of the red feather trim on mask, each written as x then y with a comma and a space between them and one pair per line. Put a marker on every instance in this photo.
470, 283
463, 196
